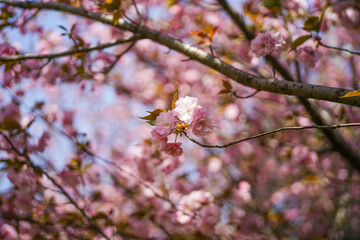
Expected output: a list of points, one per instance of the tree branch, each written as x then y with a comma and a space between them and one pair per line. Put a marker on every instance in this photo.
70, 52
259, 83
272, 132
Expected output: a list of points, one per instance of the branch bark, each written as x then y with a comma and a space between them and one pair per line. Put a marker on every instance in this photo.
67, 53
271, 85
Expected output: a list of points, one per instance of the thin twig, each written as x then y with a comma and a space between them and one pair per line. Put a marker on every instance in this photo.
138, 12
108, 69
70, 52
339, 49
63, 191
248, 96
272, 132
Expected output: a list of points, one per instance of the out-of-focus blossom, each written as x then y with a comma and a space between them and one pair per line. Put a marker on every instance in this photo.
7, 232
308, 56
298, 6
165, 123
348, 12
185, 107
70, 178
25, 181
6, 50
173, 149
266, 43
242, 193
210, 215
202, 123
195, 200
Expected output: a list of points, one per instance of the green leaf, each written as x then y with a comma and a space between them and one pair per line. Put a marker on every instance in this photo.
272, 4
299, 41
355, 93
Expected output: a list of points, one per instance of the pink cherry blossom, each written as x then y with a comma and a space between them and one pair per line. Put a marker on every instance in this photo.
348, 12
308, 56
173, 149
266, 43
6, 50
70, 178
210, 215
185, 108
242, 193
165, 123
159, 141
7, 232
202, 123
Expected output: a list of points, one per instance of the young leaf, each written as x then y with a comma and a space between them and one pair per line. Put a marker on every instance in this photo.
311, 23
355, 93
227, 86
117, 15
299, 41
152, 116
111, 5
175, 97
205, 35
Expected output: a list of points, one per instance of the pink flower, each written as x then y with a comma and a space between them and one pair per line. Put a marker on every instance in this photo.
7, 232
173, 149
185, 108
70, 178
209, 217
266, 43
159, 141
308, 56
195, 200
165, 123
6, 50
202, 123
243, 192
296, 5
348, 12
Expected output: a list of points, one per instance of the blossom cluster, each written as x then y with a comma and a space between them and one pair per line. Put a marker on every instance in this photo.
267, 43
187, 114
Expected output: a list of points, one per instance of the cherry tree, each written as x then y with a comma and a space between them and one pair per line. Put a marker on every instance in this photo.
179, 119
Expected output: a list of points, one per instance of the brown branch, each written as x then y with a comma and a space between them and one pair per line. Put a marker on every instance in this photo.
70, 52
272, 132
338, 48
271, 85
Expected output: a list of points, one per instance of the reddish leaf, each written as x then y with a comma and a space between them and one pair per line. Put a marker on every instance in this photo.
153, 115
175, 97
355, 93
